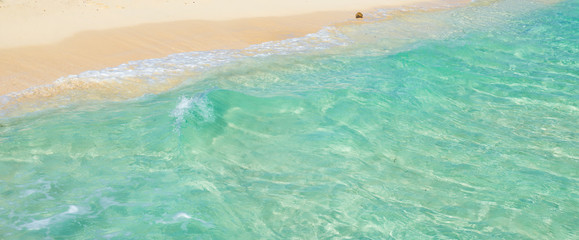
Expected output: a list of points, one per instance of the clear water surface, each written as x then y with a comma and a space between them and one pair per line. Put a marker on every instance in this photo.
452, 124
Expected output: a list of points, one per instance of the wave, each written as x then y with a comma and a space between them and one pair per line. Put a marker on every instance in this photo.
385, 31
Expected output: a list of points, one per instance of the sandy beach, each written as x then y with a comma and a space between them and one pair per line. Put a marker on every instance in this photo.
42, 41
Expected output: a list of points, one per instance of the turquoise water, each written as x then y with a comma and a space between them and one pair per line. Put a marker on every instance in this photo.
455, 124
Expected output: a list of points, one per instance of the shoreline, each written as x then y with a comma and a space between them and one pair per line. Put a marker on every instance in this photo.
27, 67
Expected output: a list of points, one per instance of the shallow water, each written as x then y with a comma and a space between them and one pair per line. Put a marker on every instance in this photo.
454, 124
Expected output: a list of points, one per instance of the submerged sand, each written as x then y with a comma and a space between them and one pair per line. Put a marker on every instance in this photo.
44, 40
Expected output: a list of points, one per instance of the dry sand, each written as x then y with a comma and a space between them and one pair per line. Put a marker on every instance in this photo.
41, 41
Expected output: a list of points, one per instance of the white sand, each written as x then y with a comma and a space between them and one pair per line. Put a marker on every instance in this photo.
33, 22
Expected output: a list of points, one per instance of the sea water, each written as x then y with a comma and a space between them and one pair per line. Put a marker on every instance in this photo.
456, 123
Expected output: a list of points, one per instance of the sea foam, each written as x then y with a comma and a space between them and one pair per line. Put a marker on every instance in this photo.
392, 30
136, 78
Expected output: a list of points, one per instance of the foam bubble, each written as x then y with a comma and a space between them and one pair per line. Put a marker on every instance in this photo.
181, 215
37, 224
45, 223
182, 107
197, 108
72, 209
